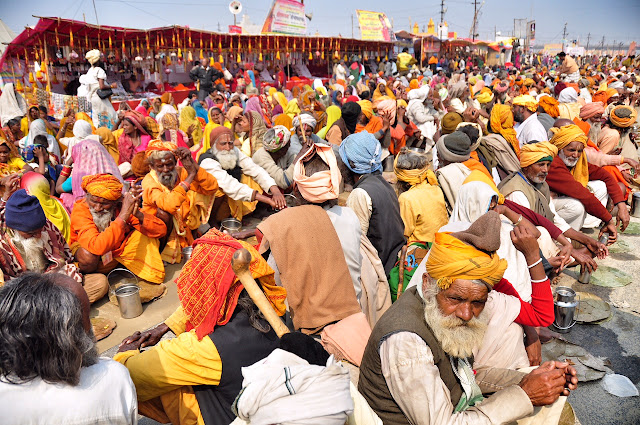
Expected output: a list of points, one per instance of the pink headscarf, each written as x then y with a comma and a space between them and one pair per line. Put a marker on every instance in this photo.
388, 105
142, 110
323, 185
89, 158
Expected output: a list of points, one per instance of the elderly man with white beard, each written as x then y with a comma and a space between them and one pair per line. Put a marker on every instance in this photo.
108, 228
31, 243
181, 195
416, 367
241, 182
583, 189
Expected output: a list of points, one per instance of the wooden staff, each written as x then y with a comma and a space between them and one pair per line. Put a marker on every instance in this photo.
403, 258
240, 265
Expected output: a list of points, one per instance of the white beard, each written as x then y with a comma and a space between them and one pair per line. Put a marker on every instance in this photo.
32, 251
102, 220
457, 337
569, 162
594, 131
228, 160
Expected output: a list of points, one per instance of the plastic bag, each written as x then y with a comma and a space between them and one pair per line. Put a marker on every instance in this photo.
619, 385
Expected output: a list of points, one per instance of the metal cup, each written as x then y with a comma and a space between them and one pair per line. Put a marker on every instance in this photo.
230, 225
635, 204
585, 275
129, 301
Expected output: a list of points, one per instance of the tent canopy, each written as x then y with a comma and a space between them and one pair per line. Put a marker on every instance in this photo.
51, 31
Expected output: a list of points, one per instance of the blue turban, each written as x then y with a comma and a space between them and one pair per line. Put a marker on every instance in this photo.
362, 150
24, 213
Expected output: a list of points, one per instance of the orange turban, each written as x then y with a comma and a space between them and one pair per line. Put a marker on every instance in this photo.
604, 95
623, 116
501, 121
104, 186
527, 101
159, 145
550, 106
561, 138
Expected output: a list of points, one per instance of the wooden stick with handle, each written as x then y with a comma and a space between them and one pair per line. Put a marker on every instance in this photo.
240, 265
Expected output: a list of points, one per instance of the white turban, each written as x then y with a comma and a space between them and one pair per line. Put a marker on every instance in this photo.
93, 56
304, 119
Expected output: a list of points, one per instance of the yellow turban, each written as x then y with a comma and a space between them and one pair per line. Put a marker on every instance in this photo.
451, 259
367, 108
534, 152
401, 103
501, 121
415, 176
485, 96
479, 176
561, 138
527, 101
159, 145
623, 116
528, 82
103, 186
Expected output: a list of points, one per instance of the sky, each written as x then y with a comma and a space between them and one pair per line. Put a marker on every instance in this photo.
614, 19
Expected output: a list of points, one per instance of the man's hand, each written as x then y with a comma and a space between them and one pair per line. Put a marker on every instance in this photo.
565, 252
386, 121
633, 163
278, 197
548, 382
143, 339
598, 249
612, 230
184, 155
129, 203
585, 260
532, 345
525, 241
136, 192
622, 218
10, 183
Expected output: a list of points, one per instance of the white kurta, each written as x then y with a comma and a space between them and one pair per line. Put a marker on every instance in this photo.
231, 186
529, 130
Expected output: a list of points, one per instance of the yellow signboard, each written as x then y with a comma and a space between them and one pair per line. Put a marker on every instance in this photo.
375, 26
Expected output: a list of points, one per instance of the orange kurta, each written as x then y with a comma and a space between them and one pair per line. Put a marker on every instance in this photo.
132, 244
113, 239
189, 210
374, 124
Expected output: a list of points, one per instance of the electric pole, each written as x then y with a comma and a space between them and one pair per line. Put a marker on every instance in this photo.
351, 25
564, 35
602, 46
588, 39
475, 19
613, 47
441, 12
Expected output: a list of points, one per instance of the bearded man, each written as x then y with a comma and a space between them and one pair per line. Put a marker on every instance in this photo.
528, 188
241, 182
417, 368
108, 228
528, 128
182, 196
582, 188
31, 243
277, 155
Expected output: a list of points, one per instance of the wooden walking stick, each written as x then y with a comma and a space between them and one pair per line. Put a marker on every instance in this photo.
240, 265
403, 258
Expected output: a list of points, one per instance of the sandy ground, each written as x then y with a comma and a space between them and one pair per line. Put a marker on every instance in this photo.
617, 339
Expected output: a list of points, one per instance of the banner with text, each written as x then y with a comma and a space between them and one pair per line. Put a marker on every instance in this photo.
375, 26
285, 17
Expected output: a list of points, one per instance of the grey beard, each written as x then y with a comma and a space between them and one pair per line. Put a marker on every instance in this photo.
457, 337
569, 162
32, 251
102, 220
169, 178
89, 350
228, 160
594, 131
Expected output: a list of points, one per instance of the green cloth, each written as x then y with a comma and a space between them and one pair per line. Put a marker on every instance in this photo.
415, 253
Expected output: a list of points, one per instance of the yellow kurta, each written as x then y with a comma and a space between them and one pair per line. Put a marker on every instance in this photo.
165, 374
423, 212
